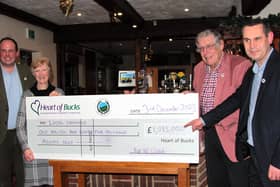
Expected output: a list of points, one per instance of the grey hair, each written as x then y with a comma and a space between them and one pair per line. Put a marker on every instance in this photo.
209, 32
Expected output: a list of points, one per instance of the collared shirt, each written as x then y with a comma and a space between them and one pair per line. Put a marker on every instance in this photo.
258, 78
13, 89
207, 95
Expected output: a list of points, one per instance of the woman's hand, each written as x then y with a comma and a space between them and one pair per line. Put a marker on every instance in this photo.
54, 93
28, 155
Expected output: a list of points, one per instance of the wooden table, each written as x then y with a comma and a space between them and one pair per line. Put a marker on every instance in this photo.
63, 166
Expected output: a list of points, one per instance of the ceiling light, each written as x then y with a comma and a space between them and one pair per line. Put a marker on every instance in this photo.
119, 13
66, 6
154, 23
186, 9
79, 14
134, 26
170, 39
114, 18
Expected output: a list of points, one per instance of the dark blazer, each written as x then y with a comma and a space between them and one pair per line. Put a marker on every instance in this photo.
266, 119
26, 81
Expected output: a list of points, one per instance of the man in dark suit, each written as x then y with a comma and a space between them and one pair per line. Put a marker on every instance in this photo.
258, 98
14, 78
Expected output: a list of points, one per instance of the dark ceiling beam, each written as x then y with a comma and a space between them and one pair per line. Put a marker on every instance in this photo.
119, 32
130, 15
93, 32
26, 17
253, 7
180, 27
116, 31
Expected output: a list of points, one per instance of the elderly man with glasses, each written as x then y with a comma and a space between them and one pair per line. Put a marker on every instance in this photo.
216, 77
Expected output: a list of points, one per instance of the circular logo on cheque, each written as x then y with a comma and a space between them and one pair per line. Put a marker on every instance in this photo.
103, 106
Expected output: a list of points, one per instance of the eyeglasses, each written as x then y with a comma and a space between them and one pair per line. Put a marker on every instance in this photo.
207, 47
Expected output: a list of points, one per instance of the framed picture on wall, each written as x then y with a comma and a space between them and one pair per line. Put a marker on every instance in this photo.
127, 78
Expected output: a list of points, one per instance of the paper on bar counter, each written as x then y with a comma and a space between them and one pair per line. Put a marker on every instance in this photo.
134, 127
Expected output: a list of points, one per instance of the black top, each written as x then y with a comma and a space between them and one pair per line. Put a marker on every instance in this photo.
45, 92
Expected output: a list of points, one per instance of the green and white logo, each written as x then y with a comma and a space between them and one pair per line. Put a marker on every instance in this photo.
103, 106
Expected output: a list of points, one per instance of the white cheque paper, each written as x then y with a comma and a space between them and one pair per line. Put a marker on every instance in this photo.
134, 127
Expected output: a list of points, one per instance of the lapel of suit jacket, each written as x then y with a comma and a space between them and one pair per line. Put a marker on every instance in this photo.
3, 95
266, 77
25, 75
224, 76
244, 113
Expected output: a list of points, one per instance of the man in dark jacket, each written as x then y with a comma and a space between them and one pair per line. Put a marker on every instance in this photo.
258, 98
14, 77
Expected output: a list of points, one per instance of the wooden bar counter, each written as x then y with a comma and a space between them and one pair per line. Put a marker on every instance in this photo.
82, 167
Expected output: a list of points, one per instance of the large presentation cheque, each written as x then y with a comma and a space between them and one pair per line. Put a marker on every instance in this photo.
134, 127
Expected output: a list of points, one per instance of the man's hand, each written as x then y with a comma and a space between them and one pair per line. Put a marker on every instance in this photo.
196, 124
187, 92
273, 173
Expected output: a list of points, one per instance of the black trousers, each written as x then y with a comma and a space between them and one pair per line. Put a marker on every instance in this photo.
11, 161
258, 175
221, 172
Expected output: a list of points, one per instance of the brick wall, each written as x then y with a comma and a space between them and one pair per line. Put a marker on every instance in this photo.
198, 174
198, 178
